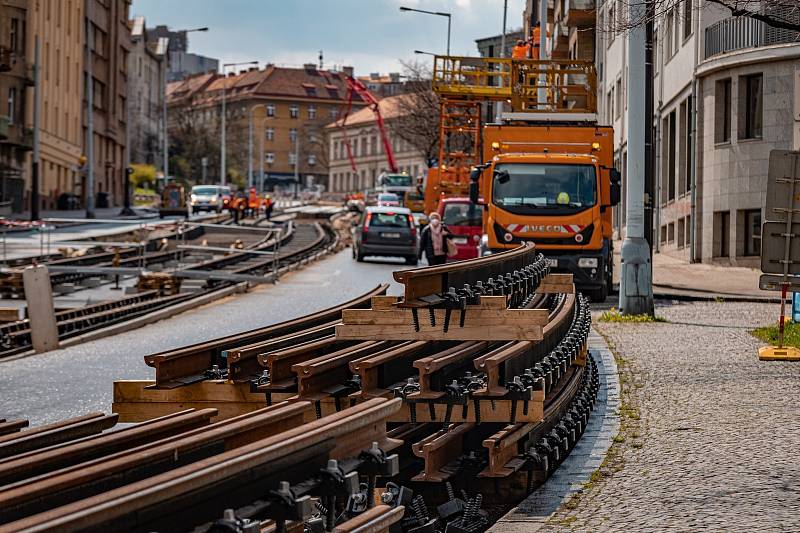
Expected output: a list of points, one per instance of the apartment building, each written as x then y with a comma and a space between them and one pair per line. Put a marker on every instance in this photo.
722, 90
59, 27
361, 131
15, 76
181, 63
287, 109
108, 45
146, 83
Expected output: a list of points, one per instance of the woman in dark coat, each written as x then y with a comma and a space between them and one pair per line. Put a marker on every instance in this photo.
433, 240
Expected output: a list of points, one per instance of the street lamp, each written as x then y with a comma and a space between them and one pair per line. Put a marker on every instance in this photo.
250, 143
222, 167
165, 165
438, 13
422, 52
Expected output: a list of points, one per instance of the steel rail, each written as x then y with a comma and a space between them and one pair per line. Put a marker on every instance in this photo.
341, 435
188, 364
85, 479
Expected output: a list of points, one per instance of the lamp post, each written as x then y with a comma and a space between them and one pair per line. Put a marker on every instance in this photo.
222, 166
250, 143
164, 70
438, 13
424, 53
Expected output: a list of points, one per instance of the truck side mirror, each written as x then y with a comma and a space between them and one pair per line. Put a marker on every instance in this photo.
474, 178
616, 187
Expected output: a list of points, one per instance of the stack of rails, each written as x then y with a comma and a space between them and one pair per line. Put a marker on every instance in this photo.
478, 388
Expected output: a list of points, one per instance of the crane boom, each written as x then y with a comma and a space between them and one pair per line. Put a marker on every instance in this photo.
356, 87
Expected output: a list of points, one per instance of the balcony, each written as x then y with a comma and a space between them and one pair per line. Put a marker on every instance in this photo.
738, 33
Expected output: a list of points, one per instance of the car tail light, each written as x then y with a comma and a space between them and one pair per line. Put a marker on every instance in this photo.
412, 226
366, 222
476, 238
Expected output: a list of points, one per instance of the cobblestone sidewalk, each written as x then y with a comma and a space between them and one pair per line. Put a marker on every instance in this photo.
709, 434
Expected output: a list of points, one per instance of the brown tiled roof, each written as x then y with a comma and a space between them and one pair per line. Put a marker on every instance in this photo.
389, 107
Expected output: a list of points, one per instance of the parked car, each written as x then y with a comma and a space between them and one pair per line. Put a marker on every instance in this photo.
206, 198
465, 222
388, 199
387, 232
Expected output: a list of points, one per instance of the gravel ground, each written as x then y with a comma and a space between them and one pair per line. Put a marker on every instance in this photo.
51, 386
708, 439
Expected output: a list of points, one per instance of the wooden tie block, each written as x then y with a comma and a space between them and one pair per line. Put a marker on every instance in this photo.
556, 284
490, 319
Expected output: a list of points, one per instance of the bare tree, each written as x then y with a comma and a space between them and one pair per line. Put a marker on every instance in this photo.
417, 122
783, 14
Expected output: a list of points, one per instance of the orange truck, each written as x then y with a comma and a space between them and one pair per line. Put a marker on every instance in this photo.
553, 185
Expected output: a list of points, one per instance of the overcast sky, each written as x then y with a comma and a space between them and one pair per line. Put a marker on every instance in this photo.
371, 35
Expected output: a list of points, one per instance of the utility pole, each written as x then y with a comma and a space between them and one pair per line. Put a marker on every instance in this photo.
498, 114
127, 171
89, 113
165, 149
296, 165
250, 150
636, 277
222, 176
36, 120
542, 93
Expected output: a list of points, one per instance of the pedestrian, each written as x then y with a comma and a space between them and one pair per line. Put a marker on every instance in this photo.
270, 206
433, 240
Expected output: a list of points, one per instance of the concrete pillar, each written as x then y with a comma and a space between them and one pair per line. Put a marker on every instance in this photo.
39, 295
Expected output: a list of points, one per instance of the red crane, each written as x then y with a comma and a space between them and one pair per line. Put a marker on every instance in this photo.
356, 87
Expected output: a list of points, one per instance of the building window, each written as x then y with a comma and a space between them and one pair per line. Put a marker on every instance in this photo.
618, 100
334, 113
13, 35
664, 234
611, 28
669, 22
687, 18
751, 104
312, 112
293, 135
12, 106
671, 232
683, 145
312, 159
722, 229
686, 135
373, 145
752, 232
270, 158
722, 111
294, 111
669, 157
610, 105
270, 134
270, 110
292, 158
681, 233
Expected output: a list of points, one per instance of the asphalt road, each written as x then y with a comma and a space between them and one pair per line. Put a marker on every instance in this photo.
63, 383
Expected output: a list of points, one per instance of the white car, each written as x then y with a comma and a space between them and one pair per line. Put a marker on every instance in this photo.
206, 198
388, 199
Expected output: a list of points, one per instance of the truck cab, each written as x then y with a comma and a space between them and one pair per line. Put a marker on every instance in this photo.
465, 222
555, 193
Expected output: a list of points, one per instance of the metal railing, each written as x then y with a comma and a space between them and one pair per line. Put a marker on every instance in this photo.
737, 33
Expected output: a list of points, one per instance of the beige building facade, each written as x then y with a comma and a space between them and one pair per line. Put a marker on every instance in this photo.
369, 156
59, 27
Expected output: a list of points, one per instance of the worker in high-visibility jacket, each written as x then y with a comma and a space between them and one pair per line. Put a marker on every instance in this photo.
268, 206
252, 201
520, 50
536, 36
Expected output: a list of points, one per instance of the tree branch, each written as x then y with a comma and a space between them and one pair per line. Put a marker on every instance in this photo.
767, 19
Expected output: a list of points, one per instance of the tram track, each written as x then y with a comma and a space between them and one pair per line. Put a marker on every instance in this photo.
295, 246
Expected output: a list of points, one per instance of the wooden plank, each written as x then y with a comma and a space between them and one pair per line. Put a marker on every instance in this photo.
475, 316
508, 332
502, 448
9, 314
548, 288
558, 279
384, 302
202, 391
494, 302
142, 411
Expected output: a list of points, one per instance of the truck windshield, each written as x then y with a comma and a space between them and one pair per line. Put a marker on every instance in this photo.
525, 188
397, 180
462, 214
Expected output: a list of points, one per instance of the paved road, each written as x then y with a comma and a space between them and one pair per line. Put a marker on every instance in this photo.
69, 382
710, 433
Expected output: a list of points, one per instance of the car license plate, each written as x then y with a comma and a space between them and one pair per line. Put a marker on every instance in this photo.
390, 235
460, 240
552, 261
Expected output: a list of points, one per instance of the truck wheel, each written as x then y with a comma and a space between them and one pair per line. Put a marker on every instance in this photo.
598, 295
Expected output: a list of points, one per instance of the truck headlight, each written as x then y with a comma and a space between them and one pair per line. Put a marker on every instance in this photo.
587, 262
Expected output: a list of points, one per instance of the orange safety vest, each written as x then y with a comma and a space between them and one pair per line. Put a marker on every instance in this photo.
519, 52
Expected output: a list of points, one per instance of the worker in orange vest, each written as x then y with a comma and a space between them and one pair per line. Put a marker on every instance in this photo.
520, 50
536, 37
252, 201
